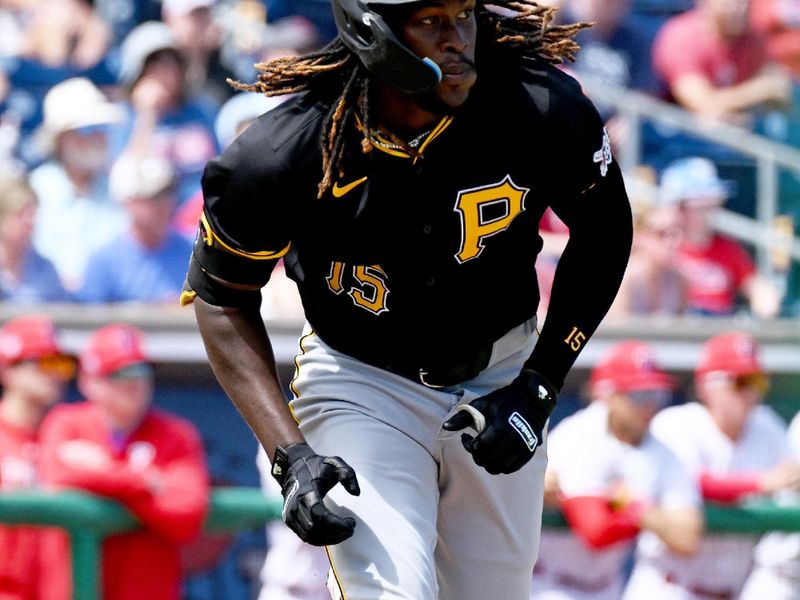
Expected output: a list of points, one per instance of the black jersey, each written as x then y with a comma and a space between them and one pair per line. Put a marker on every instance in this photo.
416, 259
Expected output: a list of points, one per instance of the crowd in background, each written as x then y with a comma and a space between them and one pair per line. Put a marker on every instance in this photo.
109, 111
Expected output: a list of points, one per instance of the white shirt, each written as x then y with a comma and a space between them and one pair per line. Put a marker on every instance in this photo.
69, 228
722, 562
590, 461
782, 550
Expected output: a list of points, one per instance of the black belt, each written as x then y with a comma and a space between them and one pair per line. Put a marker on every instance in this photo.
441, 377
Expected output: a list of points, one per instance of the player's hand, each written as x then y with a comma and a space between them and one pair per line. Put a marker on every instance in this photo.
308, 477
513, 418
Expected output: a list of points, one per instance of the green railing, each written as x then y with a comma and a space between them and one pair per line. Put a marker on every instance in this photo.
88, 520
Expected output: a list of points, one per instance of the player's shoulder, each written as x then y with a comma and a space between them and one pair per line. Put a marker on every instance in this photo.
283, 137
70, 414
768, 421
551, 91
659, 452
680, 419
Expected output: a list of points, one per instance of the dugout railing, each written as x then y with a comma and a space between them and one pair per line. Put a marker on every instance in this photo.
764, 232
88, 519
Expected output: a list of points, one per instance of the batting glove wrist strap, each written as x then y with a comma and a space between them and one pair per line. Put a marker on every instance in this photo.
541, 390
515, 418
305, 478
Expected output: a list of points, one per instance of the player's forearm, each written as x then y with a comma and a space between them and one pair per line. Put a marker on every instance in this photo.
679, 529
587, 278
593, 521
241, 356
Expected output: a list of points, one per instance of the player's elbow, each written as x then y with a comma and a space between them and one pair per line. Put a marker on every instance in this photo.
688, 535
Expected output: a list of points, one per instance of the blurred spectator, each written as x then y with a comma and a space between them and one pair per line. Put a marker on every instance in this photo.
779, 21
734, 447
198, 38
776, 573
116, 445
14, 14
716, 268
653, 283
714, 64
614, 480
148, 262
75, 214
293, 570
162, 118
615, 52
65, 32
124, 15
25, 276
33, 373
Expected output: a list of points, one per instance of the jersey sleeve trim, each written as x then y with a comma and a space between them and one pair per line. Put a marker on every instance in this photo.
212, 239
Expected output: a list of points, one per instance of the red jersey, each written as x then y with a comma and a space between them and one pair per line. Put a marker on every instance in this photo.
779, 20
714, 274
686, 45
163, 449
19, 546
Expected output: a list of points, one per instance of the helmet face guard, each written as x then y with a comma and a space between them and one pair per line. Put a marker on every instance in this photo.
368, 35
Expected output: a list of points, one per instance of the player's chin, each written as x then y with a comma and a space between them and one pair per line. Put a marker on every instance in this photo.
454, 90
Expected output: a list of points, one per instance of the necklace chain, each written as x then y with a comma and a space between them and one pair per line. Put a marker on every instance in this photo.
414, 143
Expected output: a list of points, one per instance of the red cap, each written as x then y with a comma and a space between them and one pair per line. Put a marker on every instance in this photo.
630, 366
112, 348
735, 353
28, 337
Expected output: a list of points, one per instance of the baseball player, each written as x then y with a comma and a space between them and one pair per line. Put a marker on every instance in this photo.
776, 572
117, 445
403, 185
34, 371
629, 482
734, 447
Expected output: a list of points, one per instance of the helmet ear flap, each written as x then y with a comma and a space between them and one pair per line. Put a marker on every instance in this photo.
368, 35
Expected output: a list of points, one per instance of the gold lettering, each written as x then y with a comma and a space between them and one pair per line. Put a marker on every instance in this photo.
475, 227
575, 339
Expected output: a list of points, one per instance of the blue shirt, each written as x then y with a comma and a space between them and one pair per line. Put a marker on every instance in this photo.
39, 283
126, 271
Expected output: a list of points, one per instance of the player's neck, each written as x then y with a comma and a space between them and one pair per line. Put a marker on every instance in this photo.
401, 114
619, 429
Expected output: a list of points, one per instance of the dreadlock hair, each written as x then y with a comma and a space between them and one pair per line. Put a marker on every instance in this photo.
527, 33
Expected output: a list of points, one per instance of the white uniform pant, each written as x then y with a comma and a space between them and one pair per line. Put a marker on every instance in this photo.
547, 587
430, 524
766, 582
650, 583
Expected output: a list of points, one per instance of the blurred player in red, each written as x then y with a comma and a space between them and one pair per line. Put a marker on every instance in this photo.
116, 445
33, 371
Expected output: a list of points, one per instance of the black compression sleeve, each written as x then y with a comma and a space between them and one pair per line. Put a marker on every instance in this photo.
588, 275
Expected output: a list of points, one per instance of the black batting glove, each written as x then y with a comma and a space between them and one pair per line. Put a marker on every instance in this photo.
515, 417
305, 478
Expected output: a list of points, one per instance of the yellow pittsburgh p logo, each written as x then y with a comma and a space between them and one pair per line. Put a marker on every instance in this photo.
486, 211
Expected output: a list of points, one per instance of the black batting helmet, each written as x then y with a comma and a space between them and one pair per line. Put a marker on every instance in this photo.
366, 33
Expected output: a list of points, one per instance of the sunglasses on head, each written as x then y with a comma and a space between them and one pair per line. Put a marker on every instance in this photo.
60, 365
751, 381
744, 382
650, 397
